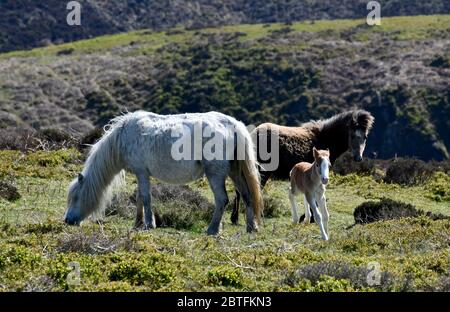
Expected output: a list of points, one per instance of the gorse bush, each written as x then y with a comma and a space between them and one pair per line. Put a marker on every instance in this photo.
407, 171
174, 206
180, 207
26, 140
385, 209
142, 270
440, 61
9, 191
388, 209
226, 276
345, 165
90, 138
410, 171
439, 187
318, 275
95, 243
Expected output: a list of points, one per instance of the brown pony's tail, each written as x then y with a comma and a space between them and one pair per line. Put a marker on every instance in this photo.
249, 168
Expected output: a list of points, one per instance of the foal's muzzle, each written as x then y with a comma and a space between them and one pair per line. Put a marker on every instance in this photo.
325, 181
358, 158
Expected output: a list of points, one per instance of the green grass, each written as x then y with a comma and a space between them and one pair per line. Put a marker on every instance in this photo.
414, 27
147, 41
36, 247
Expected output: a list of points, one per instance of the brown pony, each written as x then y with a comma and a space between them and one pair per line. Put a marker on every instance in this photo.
346, 131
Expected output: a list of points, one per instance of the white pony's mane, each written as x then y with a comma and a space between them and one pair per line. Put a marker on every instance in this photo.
102, 173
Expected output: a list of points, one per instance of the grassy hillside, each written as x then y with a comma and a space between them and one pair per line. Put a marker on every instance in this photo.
36, 248
286, 73
44, 22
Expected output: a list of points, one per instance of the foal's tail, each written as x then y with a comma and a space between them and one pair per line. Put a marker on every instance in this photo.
249, 167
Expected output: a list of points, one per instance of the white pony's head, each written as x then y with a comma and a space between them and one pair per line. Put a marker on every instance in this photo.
74, 213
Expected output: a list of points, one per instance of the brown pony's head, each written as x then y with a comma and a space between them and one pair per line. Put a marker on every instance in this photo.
361, 122
322, 164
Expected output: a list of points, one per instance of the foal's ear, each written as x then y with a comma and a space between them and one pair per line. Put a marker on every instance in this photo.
315, 152
80, 178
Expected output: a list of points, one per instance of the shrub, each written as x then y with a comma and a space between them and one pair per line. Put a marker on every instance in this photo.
273, 207
8, 191
96, 243
346, 165
26, 140
443, 285
122, 204
44, 228
325, 284
90, 138
408, 171
174, 206
225, 276
12, 255
180, 206
440, 61
356, 276
439, 187
41, 283
387, 209
146, 270
42, 164
440, 166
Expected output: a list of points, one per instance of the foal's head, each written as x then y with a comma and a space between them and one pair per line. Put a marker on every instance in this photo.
360, 125
322, 164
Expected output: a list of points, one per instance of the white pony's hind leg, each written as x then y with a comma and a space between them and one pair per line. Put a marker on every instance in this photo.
294, 206
216, 173
307, 211
139, 223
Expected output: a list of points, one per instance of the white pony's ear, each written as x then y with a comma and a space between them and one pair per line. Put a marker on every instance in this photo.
80, 178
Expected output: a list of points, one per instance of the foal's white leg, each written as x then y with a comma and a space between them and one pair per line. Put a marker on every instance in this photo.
322, 201
294, 206
307, 211
317, 215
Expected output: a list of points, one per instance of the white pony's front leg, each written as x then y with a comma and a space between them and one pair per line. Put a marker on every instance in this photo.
294, 207
145, 196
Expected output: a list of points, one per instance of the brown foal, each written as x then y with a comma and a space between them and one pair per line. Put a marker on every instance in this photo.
310, 180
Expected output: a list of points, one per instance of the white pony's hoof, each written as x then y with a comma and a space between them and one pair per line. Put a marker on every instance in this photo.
150, 226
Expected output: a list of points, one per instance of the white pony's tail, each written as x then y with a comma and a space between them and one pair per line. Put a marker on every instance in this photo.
249, 167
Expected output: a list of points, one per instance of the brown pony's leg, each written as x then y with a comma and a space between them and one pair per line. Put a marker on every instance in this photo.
235, 209
236, 204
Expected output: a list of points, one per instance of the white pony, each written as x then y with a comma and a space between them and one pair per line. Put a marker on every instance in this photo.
144, 143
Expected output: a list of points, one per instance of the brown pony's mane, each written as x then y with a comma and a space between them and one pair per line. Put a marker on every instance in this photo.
356, 119
333, 132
